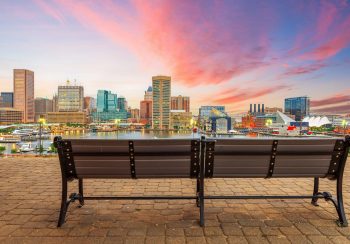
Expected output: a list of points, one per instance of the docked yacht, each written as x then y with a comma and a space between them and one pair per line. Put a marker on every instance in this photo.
26, 147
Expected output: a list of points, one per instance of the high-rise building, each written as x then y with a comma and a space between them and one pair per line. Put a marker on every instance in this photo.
297, 106
257, 109
106, 101
107, 107
122, 104
146, 112
89, 104
42, 107
161, 102
6, 99
23, 88
70, 98
55, 103
148, 94
135, 114
180, 103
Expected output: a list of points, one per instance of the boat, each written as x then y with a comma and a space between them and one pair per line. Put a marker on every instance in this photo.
235, 132
26, 147
23, 132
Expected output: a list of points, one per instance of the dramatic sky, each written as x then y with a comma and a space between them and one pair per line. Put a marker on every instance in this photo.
217, 52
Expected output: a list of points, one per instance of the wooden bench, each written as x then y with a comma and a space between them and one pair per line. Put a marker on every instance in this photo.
199, 159
121, 159
282, 158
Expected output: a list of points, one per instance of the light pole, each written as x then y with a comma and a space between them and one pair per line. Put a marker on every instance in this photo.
344, 124
192, 122
41, 123
116, 122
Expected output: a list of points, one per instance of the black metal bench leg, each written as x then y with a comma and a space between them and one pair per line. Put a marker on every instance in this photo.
81, 193
201, 204
316, 186
340, 205
64, 203
197, 192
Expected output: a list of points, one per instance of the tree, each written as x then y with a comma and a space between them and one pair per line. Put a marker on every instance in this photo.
2, 150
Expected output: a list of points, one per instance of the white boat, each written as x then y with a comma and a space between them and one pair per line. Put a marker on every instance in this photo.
9, 139
235, 132
23, 132
26, 147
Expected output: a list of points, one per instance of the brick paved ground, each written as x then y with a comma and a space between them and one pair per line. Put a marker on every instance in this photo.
30, 200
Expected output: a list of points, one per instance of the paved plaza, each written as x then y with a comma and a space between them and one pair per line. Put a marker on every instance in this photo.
30, 190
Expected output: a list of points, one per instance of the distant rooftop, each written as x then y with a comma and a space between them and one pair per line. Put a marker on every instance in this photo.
150, 89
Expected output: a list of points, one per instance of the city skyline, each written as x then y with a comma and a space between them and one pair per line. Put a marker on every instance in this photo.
283, 50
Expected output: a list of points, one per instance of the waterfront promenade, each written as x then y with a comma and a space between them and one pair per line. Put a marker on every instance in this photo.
30, 201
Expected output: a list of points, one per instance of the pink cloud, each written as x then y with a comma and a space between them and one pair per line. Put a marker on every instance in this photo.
336, 99
189, 37
337, 109
235, 95
50, 10
211, 43
327, 35
303, 69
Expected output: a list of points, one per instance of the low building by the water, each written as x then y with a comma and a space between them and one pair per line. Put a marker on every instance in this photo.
66, 117
180, 119
10, 116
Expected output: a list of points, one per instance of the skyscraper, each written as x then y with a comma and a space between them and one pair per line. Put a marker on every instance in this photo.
89, 104
146, 112
180, 103
297, 106
70, 98
161, 102
106, 101
6, 99
122, 104
107, 107
148, 94
23, 87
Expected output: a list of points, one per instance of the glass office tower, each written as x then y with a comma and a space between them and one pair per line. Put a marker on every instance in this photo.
297, 106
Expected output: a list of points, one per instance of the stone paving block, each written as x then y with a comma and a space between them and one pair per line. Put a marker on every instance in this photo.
318, 239
194, 231
300, 239
216, 240
230, 229
237, 240
339, 239
195, 240
307, 229
158, 230
175, 240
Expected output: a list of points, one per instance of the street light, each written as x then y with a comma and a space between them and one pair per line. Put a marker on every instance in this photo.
344, 124
116, 122
41, 121
193, 123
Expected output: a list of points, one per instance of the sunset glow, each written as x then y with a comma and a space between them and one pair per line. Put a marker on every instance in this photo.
219, 52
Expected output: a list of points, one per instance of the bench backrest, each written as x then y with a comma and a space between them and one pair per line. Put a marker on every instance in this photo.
153, 158
273, 158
